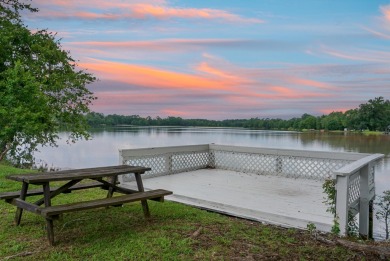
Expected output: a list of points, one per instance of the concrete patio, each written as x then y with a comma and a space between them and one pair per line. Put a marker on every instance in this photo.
276, 200
276, 186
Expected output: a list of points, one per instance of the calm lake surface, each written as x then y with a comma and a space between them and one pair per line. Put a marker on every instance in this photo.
102, 150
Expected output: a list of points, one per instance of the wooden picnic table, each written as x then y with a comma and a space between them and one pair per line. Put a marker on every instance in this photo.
73, 179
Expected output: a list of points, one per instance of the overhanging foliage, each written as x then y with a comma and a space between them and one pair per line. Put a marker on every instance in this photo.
41, 87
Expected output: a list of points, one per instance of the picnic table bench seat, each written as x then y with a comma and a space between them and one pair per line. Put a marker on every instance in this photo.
51, 211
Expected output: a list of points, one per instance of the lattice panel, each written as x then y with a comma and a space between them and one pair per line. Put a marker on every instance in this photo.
288, 166
245, 162
371, 181
353, 188
156, 163
318, 169
189, 161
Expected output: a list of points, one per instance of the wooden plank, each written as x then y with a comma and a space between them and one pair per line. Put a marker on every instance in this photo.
51, 194
50, 231
85, 186
56, 210
39, 191
19, 211
118, 189
25, 205
113, 180
77, 174
144, 203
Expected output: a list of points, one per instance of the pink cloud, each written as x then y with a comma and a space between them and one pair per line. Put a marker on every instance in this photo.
312, 83
164, 44
163, 12
176, 113
386, 12
284, 92
113, 10
328, 111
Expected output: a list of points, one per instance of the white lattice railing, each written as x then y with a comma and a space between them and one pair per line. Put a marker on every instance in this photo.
288, 163
355, 188
352, 184
167, 160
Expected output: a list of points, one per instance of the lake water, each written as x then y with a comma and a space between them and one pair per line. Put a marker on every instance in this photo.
102, 150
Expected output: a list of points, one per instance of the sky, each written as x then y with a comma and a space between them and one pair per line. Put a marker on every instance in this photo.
226, 59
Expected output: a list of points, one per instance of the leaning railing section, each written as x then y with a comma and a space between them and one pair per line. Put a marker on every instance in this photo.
354, 172
355, 189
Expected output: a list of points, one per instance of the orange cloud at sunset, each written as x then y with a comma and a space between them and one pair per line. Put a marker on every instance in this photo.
219, 79
205, 67
312, 83
155, 78
294, 94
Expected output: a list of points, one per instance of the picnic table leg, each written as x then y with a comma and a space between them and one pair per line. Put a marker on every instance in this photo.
49, 221
113, 181
19, 211
140, 186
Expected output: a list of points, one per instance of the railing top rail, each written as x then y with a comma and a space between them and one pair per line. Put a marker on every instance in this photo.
292, 152
163, 150
356, 165
270, 151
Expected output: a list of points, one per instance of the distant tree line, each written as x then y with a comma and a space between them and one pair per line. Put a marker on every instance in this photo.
373, 115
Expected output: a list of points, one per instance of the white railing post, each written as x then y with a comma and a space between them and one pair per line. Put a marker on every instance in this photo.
168, 163
211, 159
279, 165
364, 209
342, 202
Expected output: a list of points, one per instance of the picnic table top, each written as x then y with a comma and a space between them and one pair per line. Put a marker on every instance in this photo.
75, 174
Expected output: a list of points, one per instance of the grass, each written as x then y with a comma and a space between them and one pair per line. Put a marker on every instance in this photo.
175, 232
367, 132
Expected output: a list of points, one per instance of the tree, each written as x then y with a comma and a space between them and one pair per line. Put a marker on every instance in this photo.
375, 114
383, 213
308, 121
352, 119
41, 89
333, 121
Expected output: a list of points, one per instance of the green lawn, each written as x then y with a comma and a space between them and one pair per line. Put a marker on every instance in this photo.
175, 232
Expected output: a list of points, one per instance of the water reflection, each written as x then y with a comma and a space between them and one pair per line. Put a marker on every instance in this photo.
349, 142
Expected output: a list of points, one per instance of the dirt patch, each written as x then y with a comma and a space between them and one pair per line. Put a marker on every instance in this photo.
256, 241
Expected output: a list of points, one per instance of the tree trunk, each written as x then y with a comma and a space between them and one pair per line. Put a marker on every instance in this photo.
3, 151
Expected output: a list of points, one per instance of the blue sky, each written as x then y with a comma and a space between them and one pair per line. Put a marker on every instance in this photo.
226, 59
